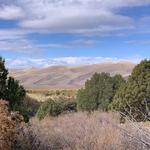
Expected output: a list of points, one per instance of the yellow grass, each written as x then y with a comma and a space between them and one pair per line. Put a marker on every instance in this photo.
42, 95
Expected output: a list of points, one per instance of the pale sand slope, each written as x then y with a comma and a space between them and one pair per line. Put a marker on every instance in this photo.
67, 77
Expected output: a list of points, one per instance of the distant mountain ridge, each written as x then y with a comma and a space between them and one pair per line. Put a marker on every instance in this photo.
67, 77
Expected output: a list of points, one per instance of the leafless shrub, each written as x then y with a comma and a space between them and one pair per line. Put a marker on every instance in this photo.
7, 127
75, 131
25, 139
83, 131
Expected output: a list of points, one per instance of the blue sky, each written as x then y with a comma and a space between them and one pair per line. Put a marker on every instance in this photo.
41, 33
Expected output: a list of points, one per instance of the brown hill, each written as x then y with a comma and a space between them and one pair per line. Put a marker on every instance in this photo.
67, 77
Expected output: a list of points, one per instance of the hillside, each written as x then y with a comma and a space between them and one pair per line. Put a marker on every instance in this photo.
67, 77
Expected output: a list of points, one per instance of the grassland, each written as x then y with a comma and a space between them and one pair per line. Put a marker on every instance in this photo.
42, 95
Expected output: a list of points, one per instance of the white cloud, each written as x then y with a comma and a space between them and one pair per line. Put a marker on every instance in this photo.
17, 40
87, 17
11, 12
13, 34
79, 22
65, 61
26, 46
71, 16
74, 17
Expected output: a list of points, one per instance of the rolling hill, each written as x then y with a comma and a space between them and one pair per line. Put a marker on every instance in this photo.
67, 77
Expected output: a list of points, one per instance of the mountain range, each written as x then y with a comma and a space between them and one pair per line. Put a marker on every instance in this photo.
66, 76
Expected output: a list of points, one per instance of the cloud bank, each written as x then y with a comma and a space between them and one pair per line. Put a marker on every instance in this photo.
69, 16
78, 17
63, 61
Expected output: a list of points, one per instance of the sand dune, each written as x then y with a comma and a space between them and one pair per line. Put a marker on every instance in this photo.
67, 77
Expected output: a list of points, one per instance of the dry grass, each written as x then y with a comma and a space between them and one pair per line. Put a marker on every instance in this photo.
82, 131
74, 131
38, 97
43, 95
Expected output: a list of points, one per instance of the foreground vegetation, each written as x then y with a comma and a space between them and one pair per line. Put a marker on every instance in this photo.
75, 131
84, 131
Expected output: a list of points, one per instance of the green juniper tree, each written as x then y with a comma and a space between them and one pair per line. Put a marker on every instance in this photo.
3, 78
11, 91
49, 108
133, 99
98, 92
15, 93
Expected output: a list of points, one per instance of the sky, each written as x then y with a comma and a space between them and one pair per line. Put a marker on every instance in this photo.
42, 33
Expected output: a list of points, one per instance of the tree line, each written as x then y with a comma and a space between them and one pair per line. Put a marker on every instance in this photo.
130, 97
